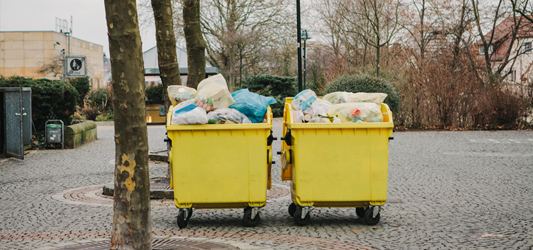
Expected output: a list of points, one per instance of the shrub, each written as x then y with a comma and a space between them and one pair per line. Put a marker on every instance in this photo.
368, 84
83, 87
155, 93
51, 99
278, 87
102, 99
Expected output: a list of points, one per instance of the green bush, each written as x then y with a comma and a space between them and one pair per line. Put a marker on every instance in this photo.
102, 100
83, 86
278, 87
368, 84
155, 93
51, 99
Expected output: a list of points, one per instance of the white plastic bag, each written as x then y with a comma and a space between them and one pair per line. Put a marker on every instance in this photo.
337, 97
319, 119
226, 116
303, 100
347, 97
177, 93
319, 107
298, 116
376, 98
357, 112
186, 113
213, 93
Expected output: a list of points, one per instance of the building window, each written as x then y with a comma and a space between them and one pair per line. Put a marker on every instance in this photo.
512, 76
482, 50
527, 47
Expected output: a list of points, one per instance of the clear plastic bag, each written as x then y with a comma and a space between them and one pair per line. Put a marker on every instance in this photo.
213, 93
252, 105
226, 115
303, 100
319, 107
347, 97
376, 98
357, 112
337, 97
186, 113
177, 93
319, 119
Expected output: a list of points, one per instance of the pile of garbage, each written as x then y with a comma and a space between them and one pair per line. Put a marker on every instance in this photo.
212, 103
337, 107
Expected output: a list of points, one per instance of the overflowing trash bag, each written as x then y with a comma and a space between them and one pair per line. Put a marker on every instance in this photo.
357, 112
227, 116
347, 97
186, 113
213, 94
318, 107
252, 105
303, 100
320, 119
179, 93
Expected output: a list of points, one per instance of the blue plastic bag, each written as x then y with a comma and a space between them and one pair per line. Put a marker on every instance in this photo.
251, 104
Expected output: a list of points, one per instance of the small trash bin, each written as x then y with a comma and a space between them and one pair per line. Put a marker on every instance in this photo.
217, 166
336, 165
54, 132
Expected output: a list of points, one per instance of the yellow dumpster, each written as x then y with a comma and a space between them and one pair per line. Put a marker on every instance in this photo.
217, 166
336, 165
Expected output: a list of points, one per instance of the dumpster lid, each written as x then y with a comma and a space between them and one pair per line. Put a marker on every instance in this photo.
53, 125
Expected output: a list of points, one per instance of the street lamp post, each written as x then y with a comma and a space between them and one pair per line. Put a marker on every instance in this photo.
298, 36
305, 37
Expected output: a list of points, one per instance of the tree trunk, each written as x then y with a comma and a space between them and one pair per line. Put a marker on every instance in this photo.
166, 46
195, 42
131, 219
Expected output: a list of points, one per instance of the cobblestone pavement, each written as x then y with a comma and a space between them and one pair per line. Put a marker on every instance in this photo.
447, 190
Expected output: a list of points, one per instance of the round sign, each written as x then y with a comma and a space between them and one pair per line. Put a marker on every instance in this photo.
75, 64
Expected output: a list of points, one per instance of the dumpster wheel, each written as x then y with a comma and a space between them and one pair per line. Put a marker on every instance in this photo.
183, 217
251, 216
369, 217
360, 211
298, 217
292, 209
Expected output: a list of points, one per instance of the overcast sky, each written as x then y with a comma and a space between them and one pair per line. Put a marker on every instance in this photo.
39, 15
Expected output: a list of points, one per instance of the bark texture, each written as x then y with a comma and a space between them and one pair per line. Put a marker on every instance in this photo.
166, 46
195, 42
131, 209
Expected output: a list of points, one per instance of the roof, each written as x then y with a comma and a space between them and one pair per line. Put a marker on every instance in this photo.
151, 64
503, 33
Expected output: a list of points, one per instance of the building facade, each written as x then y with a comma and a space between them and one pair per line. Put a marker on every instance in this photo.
37, 54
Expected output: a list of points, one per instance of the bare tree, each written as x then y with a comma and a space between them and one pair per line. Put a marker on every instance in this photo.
238, 30
54, 67
131, 207
196, 45
509, 17
376, 22
166, 46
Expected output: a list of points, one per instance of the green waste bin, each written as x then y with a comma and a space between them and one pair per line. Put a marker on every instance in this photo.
54, 132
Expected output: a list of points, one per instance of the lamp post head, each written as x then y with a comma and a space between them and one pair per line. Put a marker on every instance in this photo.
304, 35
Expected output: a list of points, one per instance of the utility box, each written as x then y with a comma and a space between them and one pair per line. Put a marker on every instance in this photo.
16, 120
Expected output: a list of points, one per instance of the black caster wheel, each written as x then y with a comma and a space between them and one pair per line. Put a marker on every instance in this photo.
298, 217
368, 217
292, 209
360, 211
247, 218
182, 222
